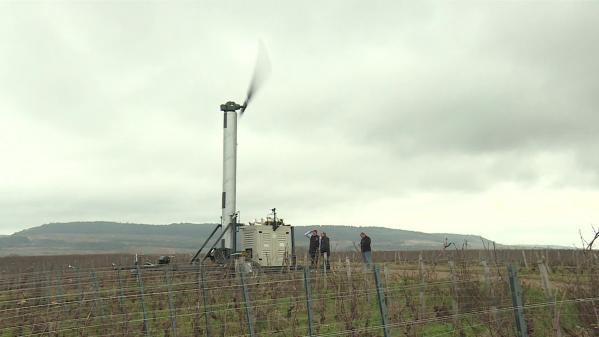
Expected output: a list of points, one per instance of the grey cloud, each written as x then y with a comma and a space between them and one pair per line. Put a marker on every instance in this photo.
366, 102
513, 87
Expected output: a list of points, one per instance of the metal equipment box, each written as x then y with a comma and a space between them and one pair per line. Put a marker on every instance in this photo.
267, 245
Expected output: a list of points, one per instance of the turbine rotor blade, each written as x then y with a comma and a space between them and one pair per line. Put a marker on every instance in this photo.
261, 73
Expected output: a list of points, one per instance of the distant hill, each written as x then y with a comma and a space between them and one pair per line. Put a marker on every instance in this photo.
105, 237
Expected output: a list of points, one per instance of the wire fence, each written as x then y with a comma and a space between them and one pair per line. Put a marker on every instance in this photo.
408, 294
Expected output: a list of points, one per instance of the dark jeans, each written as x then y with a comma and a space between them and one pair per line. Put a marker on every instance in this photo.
313, 258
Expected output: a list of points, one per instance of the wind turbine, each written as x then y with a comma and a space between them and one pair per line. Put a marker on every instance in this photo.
231, 113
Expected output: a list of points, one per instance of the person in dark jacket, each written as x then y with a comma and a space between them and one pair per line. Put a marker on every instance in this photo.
366, 250
325, 248
314, 246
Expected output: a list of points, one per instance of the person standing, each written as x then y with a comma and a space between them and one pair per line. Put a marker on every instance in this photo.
325, 249
366, 250
314, 245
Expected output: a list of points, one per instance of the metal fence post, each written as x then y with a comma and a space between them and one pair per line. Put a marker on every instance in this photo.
421, 288
98, 301
60, 292
81, 298
171, 306
455, 298
348, 268
308, 291
491, 291
524, 259
517, 301
551, 295
121, 301
201, 277
543, 271
325, 262
140, 284
121, 291
48, 298
381, 297
247, 306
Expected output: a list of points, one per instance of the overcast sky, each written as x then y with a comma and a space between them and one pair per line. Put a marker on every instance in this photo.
476, 117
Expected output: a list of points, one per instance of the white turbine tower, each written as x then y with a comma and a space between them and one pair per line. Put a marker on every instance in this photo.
232, 111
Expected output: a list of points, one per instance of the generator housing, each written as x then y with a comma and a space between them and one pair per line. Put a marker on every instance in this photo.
268, 243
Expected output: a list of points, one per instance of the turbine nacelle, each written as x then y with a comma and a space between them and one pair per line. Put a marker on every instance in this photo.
232, 106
